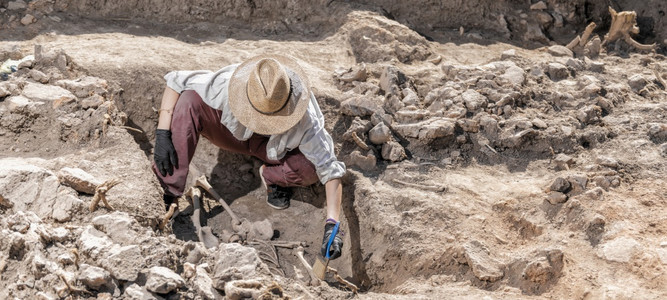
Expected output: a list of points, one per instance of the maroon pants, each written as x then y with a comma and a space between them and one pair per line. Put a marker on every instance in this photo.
193, 117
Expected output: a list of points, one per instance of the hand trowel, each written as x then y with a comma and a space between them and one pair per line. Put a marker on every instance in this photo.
320, 266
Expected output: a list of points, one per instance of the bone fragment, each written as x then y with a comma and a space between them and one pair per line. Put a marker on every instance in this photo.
342, 280
359, 142
622, 25
313, 278
101, 194
167, 216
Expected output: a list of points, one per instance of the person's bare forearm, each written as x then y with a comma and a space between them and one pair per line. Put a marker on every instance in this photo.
169, 99
334, 190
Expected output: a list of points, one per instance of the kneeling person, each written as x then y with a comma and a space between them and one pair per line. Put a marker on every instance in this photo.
262, 107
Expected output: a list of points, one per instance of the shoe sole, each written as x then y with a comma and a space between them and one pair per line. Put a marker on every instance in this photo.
276, 207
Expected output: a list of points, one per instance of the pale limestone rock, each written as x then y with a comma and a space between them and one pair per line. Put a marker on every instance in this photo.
360, 106
78, 179
136, 292
379, 134
483, 266
48, 93
162, 280
620, 249
85, 87
559, 50
393, 151
94, 277
557, 71
124, 262
93, 242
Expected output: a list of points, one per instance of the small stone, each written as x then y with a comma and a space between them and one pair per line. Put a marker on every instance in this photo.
379, 134
203, 284
593, 47
78, 179
162, 280
93, 242
559, 50
124, 263
574, 63
94, 277
136, 292
410, 97
28, 19
390, 80
38, 76
560, 184
557, 71
589, 114
508, 54
663, 149
594, 194
468, 125
473, 100
514, 75
606, 161
65, 206
366, 163
393, 151
85, 86
483, 266
596, 66
556, 197
577, 183
657, 132
538, 6
539, 123
93, 102
620, 249
16, 5
357, 73
637, 82
360, 106
564, 161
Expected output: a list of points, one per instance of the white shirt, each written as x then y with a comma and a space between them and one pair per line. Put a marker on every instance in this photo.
308, 134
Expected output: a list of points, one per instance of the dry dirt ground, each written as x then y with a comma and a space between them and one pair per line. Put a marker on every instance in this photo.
484, 160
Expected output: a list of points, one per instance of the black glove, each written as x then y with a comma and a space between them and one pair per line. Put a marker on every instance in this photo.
164, 152
336, 245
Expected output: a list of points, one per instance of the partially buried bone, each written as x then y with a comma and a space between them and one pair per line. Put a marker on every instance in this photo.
313, 279
101, 194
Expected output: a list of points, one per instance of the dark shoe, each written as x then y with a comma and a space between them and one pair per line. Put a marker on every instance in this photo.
278, 197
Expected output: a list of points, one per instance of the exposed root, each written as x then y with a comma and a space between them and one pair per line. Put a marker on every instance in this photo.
622, 25
342, 280
75, 252
660, 79
359, 142
71, 290
101, 194
434, 188
167, 216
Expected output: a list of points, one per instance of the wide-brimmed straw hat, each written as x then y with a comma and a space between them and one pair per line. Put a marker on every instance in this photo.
269, 94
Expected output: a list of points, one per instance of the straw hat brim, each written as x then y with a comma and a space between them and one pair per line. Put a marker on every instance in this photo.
283, 119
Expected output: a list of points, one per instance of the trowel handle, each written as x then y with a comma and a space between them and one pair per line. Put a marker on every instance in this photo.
331, 238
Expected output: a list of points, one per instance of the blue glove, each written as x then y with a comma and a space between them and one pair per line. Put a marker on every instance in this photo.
337, 244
